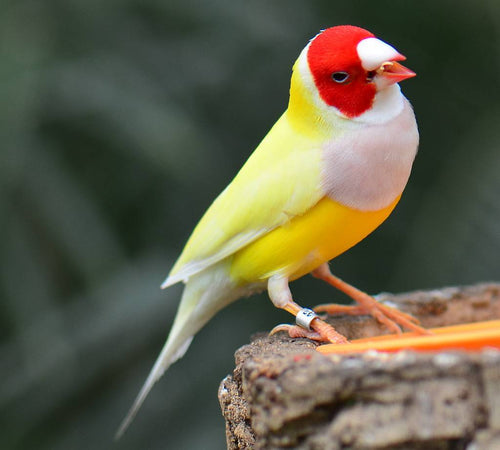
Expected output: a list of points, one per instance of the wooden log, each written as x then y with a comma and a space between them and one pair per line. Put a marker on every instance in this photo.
284, 394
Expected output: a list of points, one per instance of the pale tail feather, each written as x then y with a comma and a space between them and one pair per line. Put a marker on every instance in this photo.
203, 296
165, 359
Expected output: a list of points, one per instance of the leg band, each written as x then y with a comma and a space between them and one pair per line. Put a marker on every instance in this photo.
304, 318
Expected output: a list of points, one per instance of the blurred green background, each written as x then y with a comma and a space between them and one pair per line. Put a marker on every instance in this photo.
120, 121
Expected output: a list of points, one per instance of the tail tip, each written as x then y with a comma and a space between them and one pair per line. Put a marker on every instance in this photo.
122, 428
169, 281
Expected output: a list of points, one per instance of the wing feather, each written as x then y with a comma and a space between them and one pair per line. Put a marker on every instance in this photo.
279, 181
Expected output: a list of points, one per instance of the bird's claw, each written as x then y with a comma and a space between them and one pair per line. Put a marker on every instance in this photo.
319, 331
294, 331
390, 317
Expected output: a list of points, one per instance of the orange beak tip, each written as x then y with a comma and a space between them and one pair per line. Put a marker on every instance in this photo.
396, 72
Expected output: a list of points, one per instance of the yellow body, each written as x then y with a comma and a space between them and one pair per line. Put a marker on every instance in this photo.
295, 249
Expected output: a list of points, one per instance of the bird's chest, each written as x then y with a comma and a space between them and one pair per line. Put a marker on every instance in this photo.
367, 167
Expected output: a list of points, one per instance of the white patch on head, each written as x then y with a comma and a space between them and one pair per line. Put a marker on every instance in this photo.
373, 52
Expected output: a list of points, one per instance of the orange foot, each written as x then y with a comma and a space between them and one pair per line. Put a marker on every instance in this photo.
318, 330
393, 319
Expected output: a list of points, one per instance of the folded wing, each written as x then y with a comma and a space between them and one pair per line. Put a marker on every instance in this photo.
279, 181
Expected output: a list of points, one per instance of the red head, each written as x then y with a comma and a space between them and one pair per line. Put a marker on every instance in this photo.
349, 66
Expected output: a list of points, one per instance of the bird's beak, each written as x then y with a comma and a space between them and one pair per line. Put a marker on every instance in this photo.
392, 72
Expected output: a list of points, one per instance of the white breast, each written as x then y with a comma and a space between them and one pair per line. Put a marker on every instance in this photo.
368, 165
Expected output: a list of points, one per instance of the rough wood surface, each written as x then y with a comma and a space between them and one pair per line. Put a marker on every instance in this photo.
284, 394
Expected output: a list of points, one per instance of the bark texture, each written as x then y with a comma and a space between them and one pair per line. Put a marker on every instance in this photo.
284, 394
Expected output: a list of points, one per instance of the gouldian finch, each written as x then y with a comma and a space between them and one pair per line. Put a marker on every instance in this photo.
328, 173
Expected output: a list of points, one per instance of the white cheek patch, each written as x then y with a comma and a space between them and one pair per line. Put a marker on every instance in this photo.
373, 52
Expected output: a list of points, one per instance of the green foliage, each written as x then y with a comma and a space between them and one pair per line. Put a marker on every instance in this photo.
121, 120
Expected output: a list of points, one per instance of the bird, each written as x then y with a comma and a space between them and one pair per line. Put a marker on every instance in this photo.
329, 172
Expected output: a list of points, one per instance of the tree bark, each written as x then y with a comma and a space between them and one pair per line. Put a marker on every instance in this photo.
284, 394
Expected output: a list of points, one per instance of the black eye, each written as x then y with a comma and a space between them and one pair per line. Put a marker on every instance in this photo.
340, 77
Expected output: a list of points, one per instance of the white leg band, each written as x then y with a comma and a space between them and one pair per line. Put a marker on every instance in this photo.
304, 318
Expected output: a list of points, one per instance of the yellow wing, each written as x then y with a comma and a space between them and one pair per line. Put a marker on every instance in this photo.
280, 180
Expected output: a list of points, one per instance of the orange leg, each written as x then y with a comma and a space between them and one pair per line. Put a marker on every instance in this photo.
308, 323
393, 319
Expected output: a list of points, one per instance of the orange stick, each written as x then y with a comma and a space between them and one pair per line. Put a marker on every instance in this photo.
467, 337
